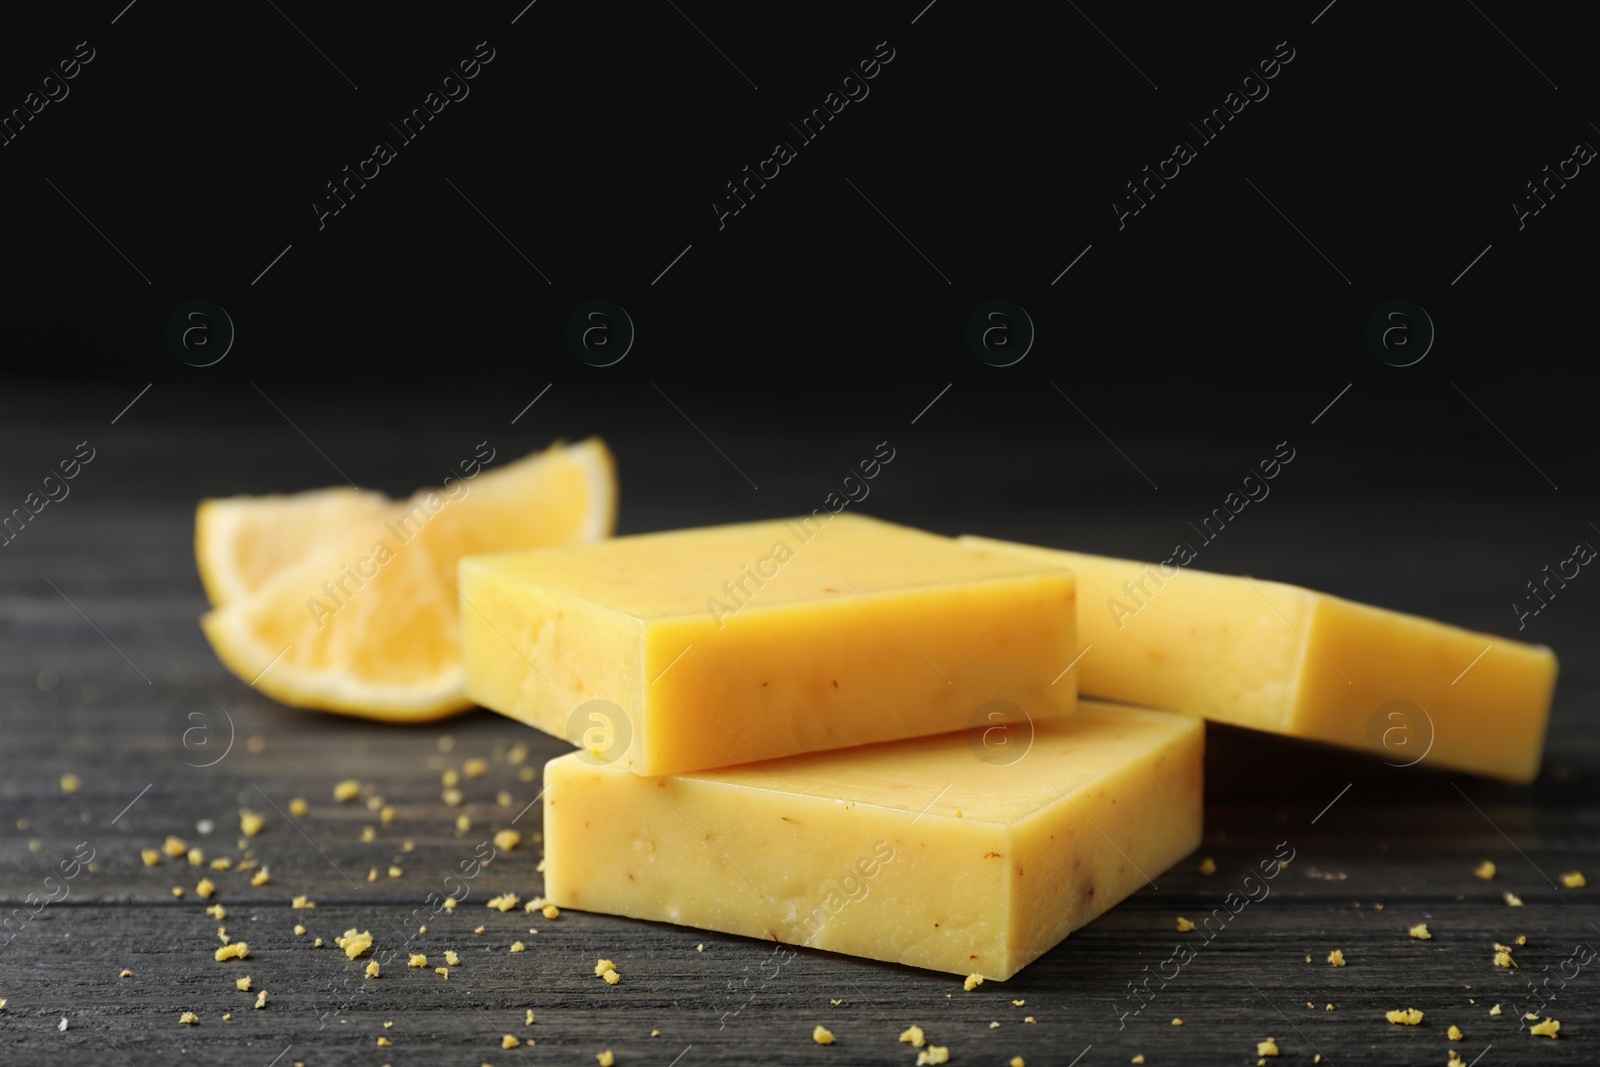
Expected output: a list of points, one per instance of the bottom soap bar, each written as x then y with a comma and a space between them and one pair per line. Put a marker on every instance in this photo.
970, 852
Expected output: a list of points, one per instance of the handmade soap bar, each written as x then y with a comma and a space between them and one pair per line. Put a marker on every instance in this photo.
705, 648
1287, 660
966, 852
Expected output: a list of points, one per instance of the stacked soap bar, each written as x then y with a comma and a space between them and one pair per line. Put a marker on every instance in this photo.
1290, 661
920, 852
706, 648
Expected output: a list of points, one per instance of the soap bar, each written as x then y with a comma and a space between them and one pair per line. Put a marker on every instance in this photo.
970, 852
704, 648
1291, 661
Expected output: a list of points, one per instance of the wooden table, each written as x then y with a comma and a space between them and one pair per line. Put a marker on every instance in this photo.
105, 675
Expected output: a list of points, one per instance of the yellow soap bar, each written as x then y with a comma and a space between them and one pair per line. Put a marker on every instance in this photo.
969, 852
1291, 661
704, 648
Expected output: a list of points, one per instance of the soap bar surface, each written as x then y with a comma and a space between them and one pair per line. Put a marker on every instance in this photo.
956, 853
1291, 661
710, 647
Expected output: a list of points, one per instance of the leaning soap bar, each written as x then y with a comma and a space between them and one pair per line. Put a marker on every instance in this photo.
704, 648
973, 852
1290, 661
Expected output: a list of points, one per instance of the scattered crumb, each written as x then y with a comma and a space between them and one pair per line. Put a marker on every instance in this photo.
1336, 957
508, 1041
1454, 1033
354, 942
529, 1020
451, 958
1548, 1028
1137, 1059
446, 743
372, 968
475, 768
174, 847
347, 790
221, 863
444, 971
299, 808
299, 931
236, 951
1408, 1017
384, 1042
394, 871
1184, 925
1420, 932
150, 856
409, 846
1573, 880
822, 1035
994, 1026
451, 797
518, 946
1269, 1047
302, 902
417, 960
196, 857
1502, 957
261, 999
1018, 1003
697, 948
368, 835
550, 911
450, 778
914, 1037
217, 911
612, 977
606, 1059
124, 974
504, 799
449, 903
250, 823
527, 774
1485, 870
69, 783
933, 1054
1512, 899
1030, 1019
504, 902
1523, 940
1177, 1022
189, 1018
479, 929
242, 984
387, 814
261, 877
1330, 1007
506, 840
206, 888
317, 943
177, 891
973, 981
372, 875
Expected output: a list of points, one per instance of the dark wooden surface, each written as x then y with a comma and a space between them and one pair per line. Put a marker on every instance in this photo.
107, 685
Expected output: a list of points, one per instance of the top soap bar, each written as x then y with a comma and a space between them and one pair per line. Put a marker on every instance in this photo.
682, 651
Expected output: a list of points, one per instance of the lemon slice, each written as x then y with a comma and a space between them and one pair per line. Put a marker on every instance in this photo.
371, 626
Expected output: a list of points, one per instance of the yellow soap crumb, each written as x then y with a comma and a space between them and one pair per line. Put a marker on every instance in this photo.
1177, 1022
503, 902
446, 743
508, 1041
1184, 925
529, 1020
1485, 870
395, 872
236, 951
1030, 1019
475, 768
150, 856
196, 857
69, 783
1548, 1028
973, 981
177, 891
452, 797
1454, 1033
606, 1059
1208, 866
261, 877
1336, 957
1018, 1003
417, 960
261, 999
506, 840
217, 911
528, 774
550, 911
347, 790
372, 968
914, 1036
449, 903
450, 778
1018, 1061
250, 823
451, 958
1503, 959
206, 888
354, 942
302, 902
1408, 1017
317, 943
1420, 932
1137, 1059
374, 803
444, 971
242, 984
1512, 899
994, 1026
504, 799
174, 847
384, 1042
1573, 880
368, 835
933, 1054
299, 931
386, 814
408, 846
298, 807
463, 823
221, 863
1523, 940
517, 946
1495, 1010
189, 1018
612, 977
124, 974
1269, 1047
479, 929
